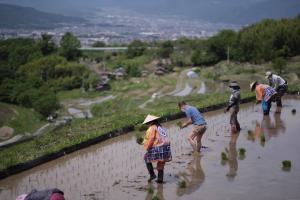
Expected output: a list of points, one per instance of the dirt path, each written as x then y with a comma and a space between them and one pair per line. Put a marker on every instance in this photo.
81, 108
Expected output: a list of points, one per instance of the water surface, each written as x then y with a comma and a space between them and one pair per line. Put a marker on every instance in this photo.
115, 169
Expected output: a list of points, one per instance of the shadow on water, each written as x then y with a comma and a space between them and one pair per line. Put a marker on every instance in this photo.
115, 168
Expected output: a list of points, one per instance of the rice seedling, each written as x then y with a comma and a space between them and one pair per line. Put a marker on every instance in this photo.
139, 137
181, 184
262, 138
140, 127
286, 165
242, 151
224, 156
179, 124
155, 198
150, 190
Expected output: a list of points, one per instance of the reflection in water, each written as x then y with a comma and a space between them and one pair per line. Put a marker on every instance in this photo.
232, 157
159, 192
193, 176
269, 129
279, 126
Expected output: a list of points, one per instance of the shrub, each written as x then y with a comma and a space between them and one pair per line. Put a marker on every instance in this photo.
46, 104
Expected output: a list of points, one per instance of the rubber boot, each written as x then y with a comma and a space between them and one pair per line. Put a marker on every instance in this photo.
160, 177
151, 172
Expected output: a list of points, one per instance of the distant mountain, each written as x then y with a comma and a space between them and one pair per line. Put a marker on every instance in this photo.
229, 11
12, 16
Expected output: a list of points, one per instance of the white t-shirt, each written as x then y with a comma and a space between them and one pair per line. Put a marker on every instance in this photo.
276, 81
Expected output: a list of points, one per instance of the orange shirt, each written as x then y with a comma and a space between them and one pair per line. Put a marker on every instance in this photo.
152, 138
260, 91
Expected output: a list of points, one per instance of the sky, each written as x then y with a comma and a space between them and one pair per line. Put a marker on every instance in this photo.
228, 11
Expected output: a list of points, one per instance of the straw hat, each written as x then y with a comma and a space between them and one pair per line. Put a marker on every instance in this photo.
252, 85
268, 74
150, 118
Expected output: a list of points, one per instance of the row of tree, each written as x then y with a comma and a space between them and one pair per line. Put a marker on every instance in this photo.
32, 72
261, 42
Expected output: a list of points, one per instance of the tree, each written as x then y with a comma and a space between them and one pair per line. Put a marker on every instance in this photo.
70, 46
136, 48
202, 57
165, 49
46, 44
220, 43
99, 44
46, 104
278, 64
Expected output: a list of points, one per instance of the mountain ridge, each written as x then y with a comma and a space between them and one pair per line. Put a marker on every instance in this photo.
14, 16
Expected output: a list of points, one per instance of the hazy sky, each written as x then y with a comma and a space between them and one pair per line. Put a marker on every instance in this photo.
234, 11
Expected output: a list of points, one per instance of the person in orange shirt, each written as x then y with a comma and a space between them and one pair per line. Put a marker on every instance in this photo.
265, 94
157, 145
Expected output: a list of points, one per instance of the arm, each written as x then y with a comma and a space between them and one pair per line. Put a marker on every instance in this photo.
187, 123
259, 94
233, 100
151, 139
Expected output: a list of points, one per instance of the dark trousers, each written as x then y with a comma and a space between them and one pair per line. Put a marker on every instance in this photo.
281, 90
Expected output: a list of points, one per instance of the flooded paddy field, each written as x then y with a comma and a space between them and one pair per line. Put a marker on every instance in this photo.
115, 168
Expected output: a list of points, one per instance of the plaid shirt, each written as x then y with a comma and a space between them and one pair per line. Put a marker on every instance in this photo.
159, 153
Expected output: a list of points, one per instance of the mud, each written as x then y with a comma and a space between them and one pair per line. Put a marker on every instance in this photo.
115, 169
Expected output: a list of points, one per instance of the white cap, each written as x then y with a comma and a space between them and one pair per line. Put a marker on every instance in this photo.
150, 118
268, 74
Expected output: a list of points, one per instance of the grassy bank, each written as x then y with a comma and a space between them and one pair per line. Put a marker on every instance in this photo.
21, 119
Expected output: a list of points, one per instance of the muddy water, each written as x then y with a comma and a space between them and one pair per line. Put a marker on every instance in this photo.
115, 169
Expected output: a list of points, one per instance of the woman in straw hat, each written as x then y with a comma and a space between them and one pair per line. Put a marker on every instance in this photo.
264, 94
157, 145
234, 106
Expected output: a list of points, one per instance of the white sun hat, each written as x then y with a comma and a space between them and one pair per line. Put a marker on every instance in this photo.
150, 118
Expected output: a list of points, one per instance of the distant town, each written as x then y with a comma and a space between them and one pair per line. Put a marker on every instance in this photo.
114, 26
